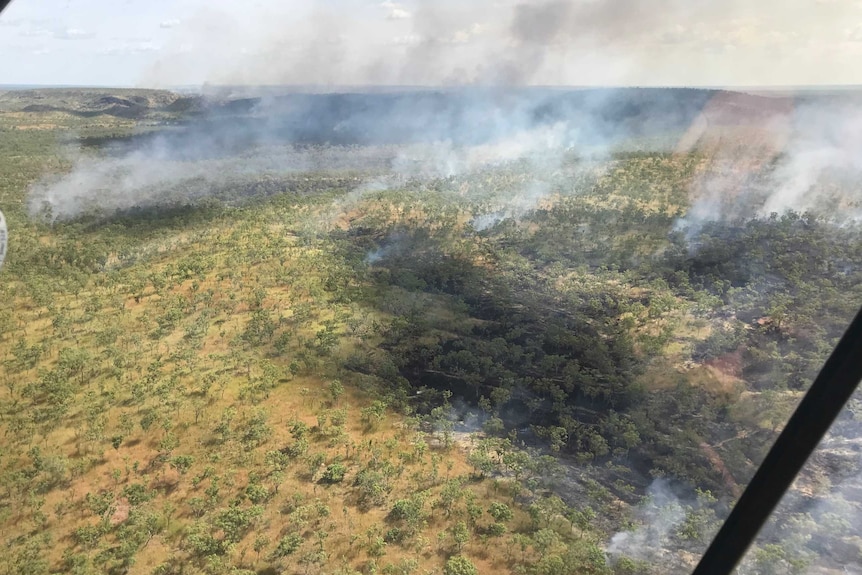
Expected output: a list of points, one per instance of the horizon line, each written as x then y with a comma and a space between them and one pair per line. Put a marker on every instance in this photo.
336, 87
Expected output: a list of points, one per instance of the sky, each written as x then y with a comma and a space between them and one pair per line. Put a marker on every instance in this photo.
166, 43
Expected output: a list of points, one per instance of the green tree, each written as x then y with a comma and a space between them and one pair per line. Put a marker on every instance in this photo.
336, 390
460, 534
256, 493
235, 521
287, 545
500, 512
334, 473
459, 565
373, 414
261, 542
182, 463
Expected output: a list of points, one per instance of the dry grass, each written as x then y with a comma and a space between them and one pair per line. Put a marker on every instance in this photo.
102, 467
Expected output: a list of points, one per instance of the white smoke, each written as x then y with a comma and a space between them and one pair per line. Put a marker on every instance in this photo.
805, 157
483, 222
508, 42
150, 176
815, 528
657, 521
386, 141
542, 146
826, 151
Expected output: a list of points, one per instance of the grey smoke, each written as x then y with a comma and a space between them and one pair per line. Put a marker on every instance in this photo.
814, 529
148, 177
654, 538
374, 256
817, 523
503, 42
483, 222
808, 158
444, 133
379, 139
436, 134
464, 418
826, 150
544, 31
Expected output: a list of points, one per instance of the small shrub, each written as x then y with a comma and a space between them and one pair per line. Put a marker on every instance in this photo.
334, 473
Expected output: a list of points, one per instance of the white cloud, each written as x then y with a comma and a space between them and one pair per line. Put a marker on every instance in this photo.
583, 42
73, 34
26, 22
408, 40
395, 11
130, 48
467, 34
34, 32
398, 14
676, 35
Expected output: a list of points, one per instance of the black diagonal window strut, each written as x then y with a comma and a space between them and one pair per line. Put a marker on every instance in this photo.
3, 4
809, 423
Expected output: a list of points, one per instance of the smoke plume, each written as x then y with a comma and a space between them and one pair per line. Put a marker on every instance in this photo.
476, 55
509, 42
765, 155
379, 139
815, 527
669, 531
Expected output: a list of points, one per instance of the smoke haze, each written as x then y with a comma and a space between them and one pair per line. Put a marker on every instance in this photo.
769, 155
658, 518
775, 152
386, 137
512, 42
759, 154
